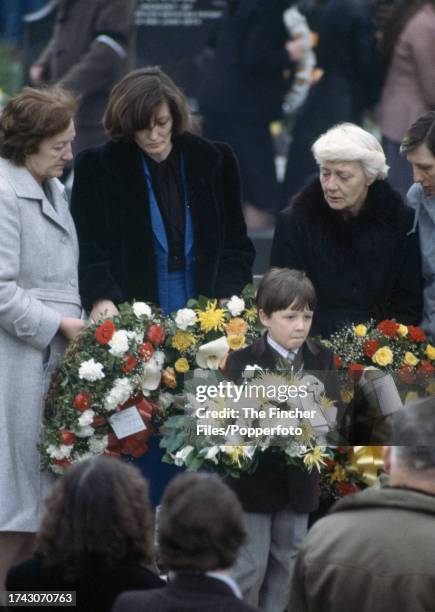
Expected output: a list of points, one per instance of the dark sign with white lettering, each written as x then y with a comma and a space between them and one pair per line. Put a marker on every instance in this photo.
173, 35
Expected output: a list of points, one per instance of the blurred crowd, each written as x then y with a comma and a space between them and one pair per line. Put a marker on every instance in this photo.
276, 72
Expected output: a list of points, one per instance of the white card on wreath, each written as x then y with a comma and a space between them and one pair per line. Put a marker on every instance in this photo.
127, 422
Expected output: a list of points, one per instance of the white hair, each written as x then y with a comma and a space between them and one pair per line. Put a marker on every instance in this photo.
348, 142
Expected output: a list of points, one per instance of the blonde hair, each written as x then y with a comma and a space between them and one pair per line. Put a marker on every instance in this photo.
348, 142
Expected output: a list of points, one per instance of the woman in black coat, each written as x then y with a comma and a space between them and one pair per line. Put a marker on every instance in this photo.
243, 92
158, 214
346, 53
157, 209
96, 537
352, 235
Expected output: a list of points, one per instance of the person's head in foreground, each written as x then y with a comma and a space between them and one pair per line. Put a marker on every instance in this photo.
374, 551
147, 107
200, 524
350, 161
97, 517
418, 146
37, 130
286, 300
411, 462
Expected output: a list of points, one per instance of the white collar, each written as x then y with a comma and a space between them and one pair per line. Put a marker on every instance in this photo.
280, 349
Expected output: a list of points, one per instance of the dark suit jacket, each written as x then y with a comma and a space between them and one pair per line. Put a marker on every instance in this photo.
95, 595
111, 210
273, 487
186, 593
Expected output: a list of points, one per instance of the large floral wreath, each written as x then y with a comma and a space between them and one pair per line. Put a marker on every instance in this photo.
115, 384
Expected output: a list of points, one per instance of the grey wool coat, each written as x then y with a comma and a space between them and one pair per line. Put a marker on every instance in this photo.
38, 286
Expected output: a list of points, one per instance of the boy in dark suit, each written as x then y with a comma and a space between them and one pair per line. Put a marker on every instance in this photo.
276, 499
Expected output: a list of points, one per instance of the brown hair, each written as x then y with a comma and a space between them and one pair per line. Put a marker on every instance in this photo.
280, 288
32, 116
422, 131
200, 524
134, 100
97, 515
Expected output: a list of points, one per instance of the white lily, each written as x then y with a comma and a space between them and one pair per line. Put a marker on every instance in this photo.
209, 355
151, 375
211, 453
181, 455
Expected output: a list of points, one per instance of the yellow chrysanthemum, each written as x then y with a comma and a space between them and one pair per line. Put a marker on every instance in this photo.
430, 352
360, 330
338, 474
315, 457
212, 318
251, 314
383, 356
183, 340
182, 365
346, 396
326, 403
235, 342
410, 359
236, 326
402, 330
430, 389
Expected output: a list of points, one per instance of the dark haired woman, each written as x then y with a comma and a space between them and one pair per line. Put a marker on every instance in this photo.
96, 537
157, 210
409, 89
39, 300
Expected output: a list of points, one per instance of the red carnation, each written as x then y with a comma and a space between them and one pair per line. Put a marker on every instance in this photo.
130, 362
425, 367
82, 401
338, 362
346, 488
388, 328
105, 331
370, 347
146, 351
156, 334
407, 374
416, 334
67, 437
329, 464
354, 372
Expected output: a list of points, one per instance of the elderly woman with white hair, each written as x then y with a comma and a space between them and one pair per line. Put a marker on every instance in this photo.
352, 235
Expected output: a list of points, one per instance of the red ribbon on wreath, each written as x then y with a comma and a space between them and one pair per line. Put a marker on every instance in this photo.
136, 444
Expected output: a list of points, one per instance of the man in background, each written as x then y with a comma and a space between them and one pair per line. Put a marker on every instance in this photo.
91, 48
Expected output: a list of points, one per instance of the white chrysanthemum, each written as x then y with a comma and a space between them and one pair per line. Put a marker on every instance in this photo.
98, 445
185, 317
119, 393
140, 309
119, 343
86, 418
181, 455
85, 431
136, 337
236, 306
59, 452
91, 370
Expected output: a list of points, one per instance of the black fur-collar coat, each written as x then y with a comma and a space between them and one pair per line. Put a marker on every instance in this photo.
362, 267
112, 215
